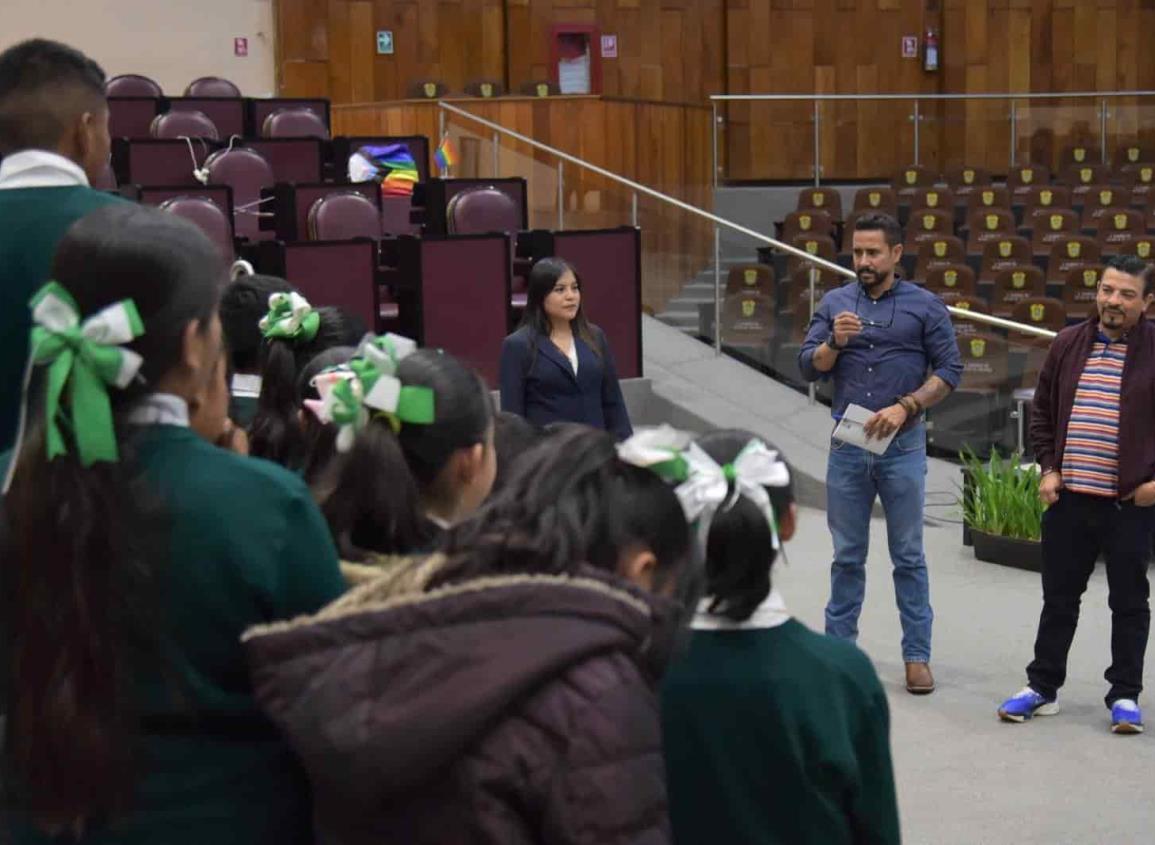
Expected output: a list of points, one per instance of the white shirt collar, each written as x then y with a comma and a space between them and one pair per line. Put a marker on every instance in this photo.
246, 384
770, 614
160, 409
40, 169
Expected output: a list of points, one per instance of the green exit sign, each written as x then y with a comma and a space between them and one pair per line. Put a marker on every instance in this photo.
385, 42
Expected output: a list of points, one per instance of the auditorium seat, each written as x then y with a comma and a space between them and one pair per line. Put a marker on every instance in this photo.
1141, 246
1044, 312
976, 414
933, 197
1014, 284
950, 278
211, 86
876, 199
821, 199
1080, 154
1041, 199
926, 224
132, 85
988, 196
482, 210
1139, 178
909, 179
989, 224
821, 246
1100, 198
1080, 289
343, 216
938, 252
964, 180
758, 278
1022, 177
965, 302
294, 123
209, 217
485, 88
1082, 177
1000, 254
1118, 225
427, 89
131, 117
1055, 225
806, 223
1133, 154
247, 172
1069, 251
539, 88
184, 124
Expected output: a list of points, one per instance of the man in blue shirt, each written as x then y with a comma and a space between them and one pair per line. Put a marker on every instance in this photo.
878, 338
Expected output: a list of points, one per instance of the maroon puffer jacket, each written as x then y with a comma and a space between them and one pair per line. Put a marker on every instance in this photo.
509, 710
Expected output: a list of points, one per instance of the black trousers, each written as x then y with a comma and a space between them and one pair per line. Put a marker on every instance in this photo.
1076, 529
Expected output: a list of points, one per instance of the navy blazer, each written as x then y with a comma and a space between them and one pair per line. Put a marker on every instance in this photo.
538, 383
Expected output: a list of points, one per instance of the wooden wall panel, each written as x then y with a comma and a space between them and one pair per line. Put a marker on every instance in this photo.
662, 146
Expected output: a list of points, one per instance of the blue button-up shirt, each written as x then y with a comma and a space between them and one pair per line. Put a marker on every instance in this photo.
891, 359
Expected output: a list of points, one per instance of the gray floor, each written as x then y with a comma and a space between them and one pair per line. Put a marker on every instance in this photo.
963, 777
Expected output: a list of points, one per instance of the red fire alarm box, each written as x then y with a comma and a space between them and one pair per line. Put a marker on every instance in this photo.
575, 58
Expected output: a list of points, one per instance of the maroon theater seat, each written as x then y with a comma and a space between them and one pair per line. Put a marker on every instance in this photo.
212, 86
294, 123
482, 210
209, 216
132, 85
344, 216
246, 172
184, 124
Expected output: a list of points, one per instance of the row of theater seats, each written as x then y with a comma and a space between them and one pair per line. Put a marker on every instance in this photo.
217, 118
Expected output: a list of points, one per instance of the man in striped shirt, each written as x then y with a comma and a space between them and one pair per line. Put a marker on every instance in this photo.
1091, 428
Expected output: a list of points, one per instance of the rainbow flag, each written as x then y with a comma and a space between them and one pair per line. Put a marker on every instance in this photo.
445, 156
394, 168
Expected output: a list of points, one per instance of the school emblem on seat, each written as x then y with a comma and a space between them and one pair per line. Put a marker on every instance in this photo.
1105, 197
818, 199
1027, 176
542, 89
964, 304
1056, 222
968, 177
1090, 278
1143, 249
1045, 197
1074, 248
928, 222
1132, 154
1080, 154
430, 89
911, 177
940, 249
992, 222
1018, 280
748, 307
950, 278
932, 200
804, 222
1038, 310
750, 277
812, 247
988, 197
1086, 174
978, 347
1145, 174
1005, 248
1120, 222
874, 198
486, 89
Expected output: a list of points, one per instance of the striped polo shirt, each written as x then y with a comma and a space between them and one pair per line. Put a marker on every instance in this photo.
1091, 454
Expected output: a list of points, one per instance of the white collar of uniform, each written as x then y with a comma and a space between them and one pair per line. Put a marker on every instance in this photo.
770, 614
438, 521
160, 409
246, 384
40, 169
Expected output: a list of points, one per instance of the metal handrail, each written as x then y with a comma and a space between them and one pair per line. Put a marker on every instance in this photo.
722, 221
1075, 95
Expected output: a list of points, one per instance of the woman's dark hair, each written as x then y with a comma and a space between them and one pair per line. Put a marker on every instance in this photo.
275, 432
542, 279
79, 557
320, 439
513, 436
372, 495
571, 502
243, 304
740, 546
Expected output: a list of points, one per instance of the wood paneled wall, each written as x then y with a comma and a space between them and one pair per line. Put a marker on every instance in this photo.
663, 146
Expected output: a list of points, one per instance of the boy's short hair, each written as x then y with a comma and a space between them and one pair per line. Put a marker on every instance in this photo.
44, 86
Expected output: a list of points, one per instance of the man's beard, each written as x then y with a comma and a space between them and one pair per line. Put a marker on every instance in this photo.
872, 280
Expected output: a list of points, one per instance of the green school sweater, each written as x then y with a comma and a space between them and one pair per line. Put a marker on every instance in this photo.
777, 736
32, 222
247, 546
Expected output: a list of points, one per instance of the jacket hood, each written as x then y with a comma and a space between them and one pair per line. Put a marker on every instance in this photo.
381, 689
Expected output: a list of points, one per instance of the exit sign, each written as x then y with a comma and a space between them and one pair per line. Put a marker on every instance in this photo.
385, 42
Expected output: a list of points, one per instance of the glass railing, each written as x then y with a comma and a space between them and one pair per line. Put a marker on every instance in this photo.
701, 271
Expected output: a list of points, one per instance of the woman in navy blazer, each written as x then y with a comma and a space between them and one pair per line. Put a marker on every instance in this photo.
557, 367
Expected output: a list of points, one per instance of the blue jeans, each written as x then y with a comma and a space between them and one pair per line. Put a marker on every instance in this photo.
853, 478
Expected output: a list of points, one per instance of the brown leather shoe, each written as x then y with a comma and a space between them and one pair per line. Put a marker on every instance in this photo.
919, 680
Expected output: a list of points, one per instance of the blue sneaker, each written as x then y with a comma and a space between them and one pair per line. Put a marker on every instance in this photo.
1026, 704
1126, 717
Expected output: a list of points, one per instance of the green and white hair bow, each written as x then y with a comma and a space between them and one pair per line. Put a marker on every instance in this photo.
352, 393
291, 318
85, 359
704, 487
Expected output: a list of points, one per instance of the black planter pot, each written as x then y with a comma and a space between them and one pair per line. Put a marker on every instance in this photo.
1008, 551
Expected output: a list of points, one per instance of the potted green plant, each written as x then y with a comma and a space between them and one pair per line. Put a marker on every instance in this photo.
1001, 506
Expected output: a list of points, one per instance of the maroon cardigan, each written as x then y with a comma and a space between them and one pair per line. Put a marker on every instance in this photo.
1055, 397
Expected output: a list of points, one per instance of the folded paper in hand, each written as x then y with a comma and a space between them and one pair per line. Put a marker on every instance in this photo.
850, 430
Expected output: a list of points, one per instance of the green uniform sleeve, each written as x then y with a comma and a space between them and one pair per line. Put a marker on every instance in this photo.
874, 814
311, 572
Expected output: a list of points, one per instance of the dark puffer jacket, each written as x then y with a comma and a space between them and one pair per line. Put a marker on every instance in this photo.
506, 710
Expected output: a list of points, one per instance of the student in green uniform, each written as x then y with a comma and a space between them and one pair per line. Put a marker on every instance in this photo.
294, 333
54, 141
774, 734
243, 303
412, 447
135, 554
